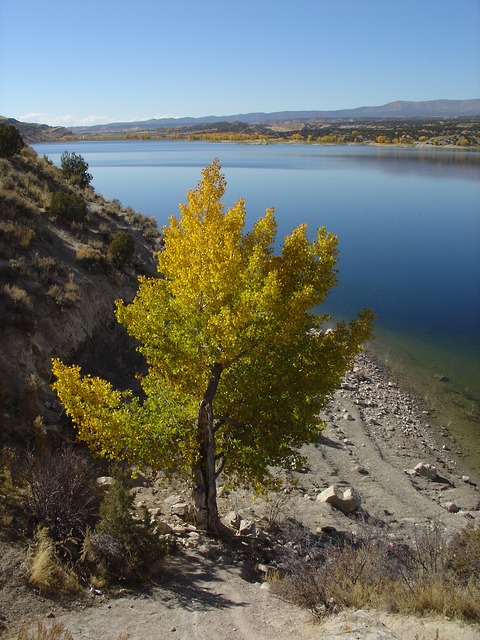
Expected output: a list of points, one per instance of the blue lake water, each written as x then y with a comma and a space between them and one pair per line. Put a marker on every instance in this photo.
408, 222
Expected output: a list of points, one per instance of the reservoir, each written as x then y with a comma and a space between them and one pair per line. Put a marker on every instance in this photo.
408, 222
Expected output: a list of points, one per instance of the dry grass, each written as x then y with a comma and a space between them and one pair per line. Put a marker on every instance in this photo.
17, 296
46, 572
56, 631
383, 573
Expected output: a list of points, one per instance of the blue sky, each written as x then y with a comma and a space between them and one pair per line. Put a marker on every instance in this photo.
72, 62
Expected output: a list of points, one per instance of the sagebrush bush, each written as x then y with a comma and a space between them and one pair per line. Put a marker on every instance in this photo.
62, 493
380, 572
17, 296
65, 295
89, 257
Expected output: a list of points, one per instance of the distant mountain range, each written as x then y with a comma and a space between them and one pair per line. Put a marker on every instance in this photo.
399, 109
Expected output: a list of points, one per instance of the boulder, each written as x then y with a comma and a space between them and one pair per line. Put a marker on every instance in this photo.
426, 470
247, 528
180, 509
346, 501
451, 507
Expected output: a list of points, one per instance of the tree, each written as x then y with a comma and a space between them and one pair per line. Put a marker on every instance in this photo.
239, 366
11, 142
75, 169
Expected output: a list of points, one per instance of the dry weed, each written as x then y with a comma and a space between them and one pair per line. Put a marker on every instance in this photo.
46, 572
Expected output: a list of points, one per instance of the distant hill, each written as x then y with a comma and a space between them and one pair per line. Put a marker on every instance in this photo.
399, 109
32, 132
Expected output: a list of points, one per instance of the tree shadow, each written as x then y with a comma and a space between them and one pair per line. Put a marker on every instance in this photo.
328, 442
190, 582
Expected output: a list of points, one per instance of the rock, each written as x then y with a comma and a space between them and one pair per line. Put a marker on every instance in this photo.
361, 470
138, 479
105, 482
346, 501
163, 528
348, 416
451, 507
180, 509
440, 377
155, 512
231, 520
426, 471
247, 528
356, 625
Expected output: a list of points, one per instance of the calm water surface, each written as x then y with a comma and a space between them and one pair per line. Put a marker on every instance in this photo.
408, 221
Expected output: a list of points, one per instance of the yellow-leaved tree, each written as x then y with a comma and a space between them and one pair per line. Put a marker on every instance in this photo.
239, 365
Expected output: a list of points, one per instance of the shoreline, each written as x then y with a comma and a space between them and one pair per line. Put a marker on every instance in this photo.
436, 396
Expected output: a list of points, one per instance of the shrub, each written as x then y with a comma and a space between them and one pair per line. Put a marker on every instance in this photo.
89, 257
75, 169
64, 296
62, 493
121, 548
464, 554
121, 248
68, 206
11, 142
18, 296
382, 572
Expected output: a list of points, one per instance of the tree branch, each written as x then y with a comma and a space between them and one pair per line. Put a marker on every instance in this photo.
218, 471
220, 420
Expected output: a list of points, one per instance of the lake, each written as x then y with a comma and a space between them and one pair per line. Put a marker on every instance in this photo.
408, 221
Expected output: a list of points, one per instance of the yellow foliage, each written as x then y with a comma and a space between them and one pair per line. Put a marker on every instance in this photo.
224, 302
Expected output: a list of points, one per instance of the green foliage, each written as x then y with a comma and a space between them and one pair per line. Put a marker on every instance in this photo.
229, 326
69, 206
75, 169
11, 142
120, 547
121, 248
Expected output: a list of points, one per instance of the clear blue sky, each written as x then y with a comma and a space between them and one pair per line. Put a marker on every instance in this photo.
72, 62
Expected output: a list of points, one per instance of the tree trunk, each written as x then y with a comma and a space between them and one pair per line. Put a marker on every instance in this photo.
205, 487
204, 478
